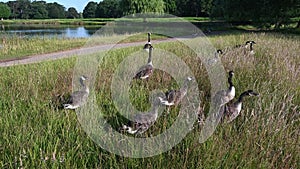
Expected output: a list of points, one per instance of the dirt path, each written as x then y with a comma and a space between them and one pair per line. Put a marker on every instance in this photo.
69, 53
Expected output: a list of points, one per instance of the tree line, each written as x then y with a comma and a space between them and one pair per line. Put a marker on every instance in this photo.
263, 12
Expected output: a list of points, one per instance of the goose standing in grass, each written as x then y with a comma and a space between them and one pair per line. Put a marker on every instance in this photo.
146, 71
148, 44
212, 61
232, 110
142, 121
224, 96
173, 97
78, 98
250, 44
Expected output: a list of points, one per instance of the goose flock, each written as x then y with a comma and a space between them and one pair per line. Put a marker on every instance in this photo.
143, 121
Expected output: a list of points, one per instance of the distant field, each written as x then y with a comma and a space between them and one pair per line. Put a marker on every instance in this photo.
35, 133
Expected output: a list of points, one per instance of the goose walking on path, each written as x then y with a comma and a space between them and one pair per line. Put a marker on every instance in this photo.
148, 44
224, 96
146, 71
232, 110
78, 98
173, 97
142, 121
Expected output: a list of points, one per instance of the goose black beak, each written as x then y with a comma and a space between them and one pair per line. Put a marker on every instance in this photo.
254, 94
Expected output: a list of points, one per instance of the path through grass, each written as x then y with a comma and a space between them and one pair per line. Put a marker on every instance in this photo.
35, 133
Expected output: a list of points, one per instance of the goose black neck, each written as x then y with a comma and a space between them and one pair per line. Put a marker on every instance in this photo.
81, 82
185, 86
230, 81
150, 55
148, 37
241, 98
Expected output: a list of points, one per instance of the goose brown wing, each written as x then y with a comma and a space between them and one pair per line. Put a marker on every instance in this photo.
144, 118
144, 72
78, 97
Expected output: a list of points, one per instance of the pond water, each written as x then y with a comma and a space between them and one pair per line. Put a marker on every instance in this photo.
48, 31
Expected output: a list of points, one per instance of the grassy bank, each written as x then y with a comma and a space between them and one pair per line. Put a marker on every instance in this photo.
18, 47
92, 21
35, 133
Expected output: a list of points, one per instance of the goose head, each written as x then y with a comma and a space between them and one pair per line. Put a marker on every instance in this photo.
231, 73
190, 78
250, 42
83, 78
219, 51
252, 93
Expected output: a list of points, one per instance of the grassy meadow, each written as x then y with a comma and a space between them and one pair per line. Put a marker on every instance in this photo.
37, 133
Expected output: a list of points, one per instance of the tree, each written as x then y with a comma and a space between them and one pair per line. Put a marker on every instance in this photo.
13, 5
38, 10
142, 6
206, 6
170, 6
4, 11
72, 13
24, 9
188, 8
55, 10
263, 13
109, 9
90, 10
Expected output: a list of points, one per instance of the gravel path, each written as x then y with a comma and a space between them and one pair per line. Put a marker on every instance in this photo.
69, 53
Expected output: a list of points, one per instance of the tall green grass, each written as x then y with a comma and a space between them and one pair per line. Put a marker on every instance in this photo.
16, 47
35, 133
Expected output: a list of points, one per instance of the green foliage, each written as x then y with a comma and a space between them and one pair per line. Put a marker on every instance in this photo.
17, 47
109, 9
188, 8
24, 8
90, 10
72, 13
38, 10
170, 6
55, 10
142, 6
4, 11
264, 13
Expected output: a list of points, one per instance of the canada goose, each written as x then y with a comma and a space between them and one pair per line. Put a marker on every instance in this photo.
224, 96
146, 71
232, 110
219, 51
142, 121
250, 43
173, 97
212, 61
78, 98
148, 44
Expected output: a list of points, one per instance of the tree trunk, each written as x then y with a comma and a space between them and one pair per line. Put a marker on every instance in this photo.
298, 24
278, 25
